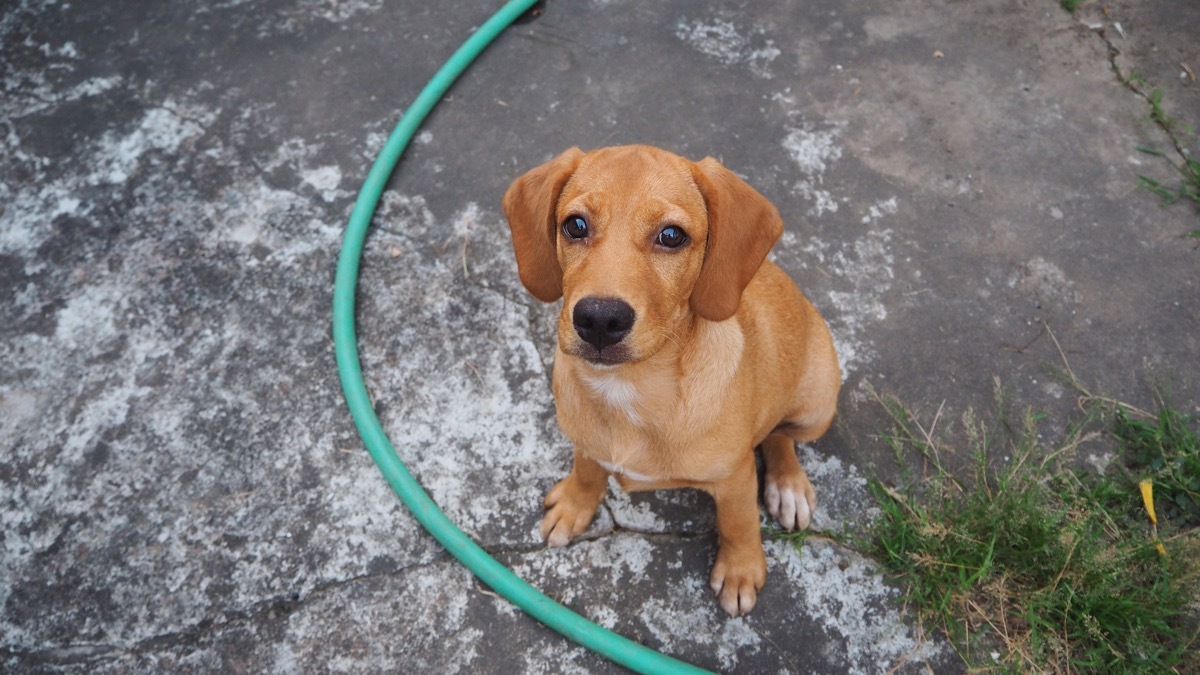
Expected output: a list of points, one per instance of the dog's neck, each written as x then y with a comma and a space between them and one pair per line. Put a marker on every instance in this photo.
675, 381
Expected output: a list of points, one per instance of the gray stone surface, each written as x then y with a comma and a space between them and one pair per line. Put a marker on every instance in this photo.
181, 488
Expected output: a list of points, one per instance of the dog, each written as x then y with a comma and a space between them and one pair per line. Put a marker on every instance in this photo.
680, 347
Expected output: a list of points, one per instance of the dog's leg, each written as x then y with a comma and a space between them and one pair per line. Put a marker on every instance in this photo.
788, 494
571, 504
741, 567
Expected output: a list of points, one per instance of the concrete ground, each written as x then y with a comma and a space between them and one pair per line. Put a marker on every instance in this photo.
181, 488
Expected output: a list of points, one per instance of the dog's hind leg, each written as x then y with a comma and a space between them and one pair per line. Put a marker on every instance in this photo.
788, 494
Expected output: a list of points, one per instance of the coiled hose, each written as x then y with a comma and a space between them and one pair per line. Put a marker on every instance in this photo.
597, 638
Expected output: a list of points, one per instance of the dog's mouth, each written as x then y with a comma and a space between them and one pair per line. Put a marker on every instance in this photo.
607, 357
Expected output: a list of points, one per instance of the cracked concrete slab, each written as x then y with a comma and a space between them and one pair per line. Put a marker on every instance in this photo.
180, 485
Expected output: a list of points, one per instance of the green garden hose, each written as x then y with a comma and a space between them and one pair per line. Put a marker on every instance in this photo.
601, 640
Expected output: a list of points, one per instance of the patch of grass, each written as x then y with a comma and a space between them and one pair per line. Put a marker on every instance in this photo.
1029, 565
796, 539
1069, 5
1165, 450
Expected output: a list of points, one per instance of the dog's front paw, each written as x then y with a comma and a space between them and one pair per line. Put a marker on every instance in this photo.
790, 499
570, 508
737, 577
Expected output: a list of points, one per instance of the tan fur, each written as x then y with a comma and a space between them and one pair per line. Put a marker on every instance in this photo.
725, 353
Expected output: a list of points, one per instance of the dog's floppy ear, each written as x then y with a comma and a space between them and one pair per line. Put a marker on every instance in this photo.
529, 204
742, 227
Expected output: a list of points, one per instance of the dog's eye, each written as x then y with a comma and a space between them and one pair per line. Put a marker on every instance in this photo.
672, 237
575, 227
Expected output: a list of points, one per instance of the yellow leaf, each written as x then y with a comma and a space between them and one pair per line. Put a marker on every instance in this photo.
1147, 487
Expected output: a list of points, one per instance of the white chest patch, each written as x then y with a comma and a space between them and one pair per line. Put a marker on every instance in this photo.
617, 393
618, 470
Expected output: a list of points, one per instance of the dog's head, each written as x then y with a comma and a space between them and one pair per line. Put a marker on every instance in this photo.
638, 242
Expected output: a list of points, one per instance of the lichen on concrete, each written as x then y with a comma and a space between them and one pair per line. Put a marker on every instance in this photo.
181, 488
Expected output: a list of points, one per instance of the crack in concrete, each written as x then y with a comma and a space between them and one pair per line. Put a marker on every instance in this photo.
793, 665
196, 635
601, 535
270, 609
658, 535
1130, 82
174, 112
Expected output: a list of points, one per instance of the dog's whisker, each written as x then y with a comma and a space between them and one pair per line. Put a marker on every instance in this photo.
671, 337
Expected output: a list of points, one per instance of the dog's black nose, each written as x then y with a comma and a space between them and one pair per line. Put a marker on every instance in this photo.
602, 321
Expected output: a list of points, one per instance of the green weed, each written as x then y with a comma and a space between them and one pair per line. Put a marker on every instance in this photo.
1164, 450
1028, 565
1188, 188
1179, 134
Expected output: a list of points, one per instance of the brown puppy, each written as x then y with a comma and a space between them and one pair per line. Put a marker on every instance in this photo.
680, 348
